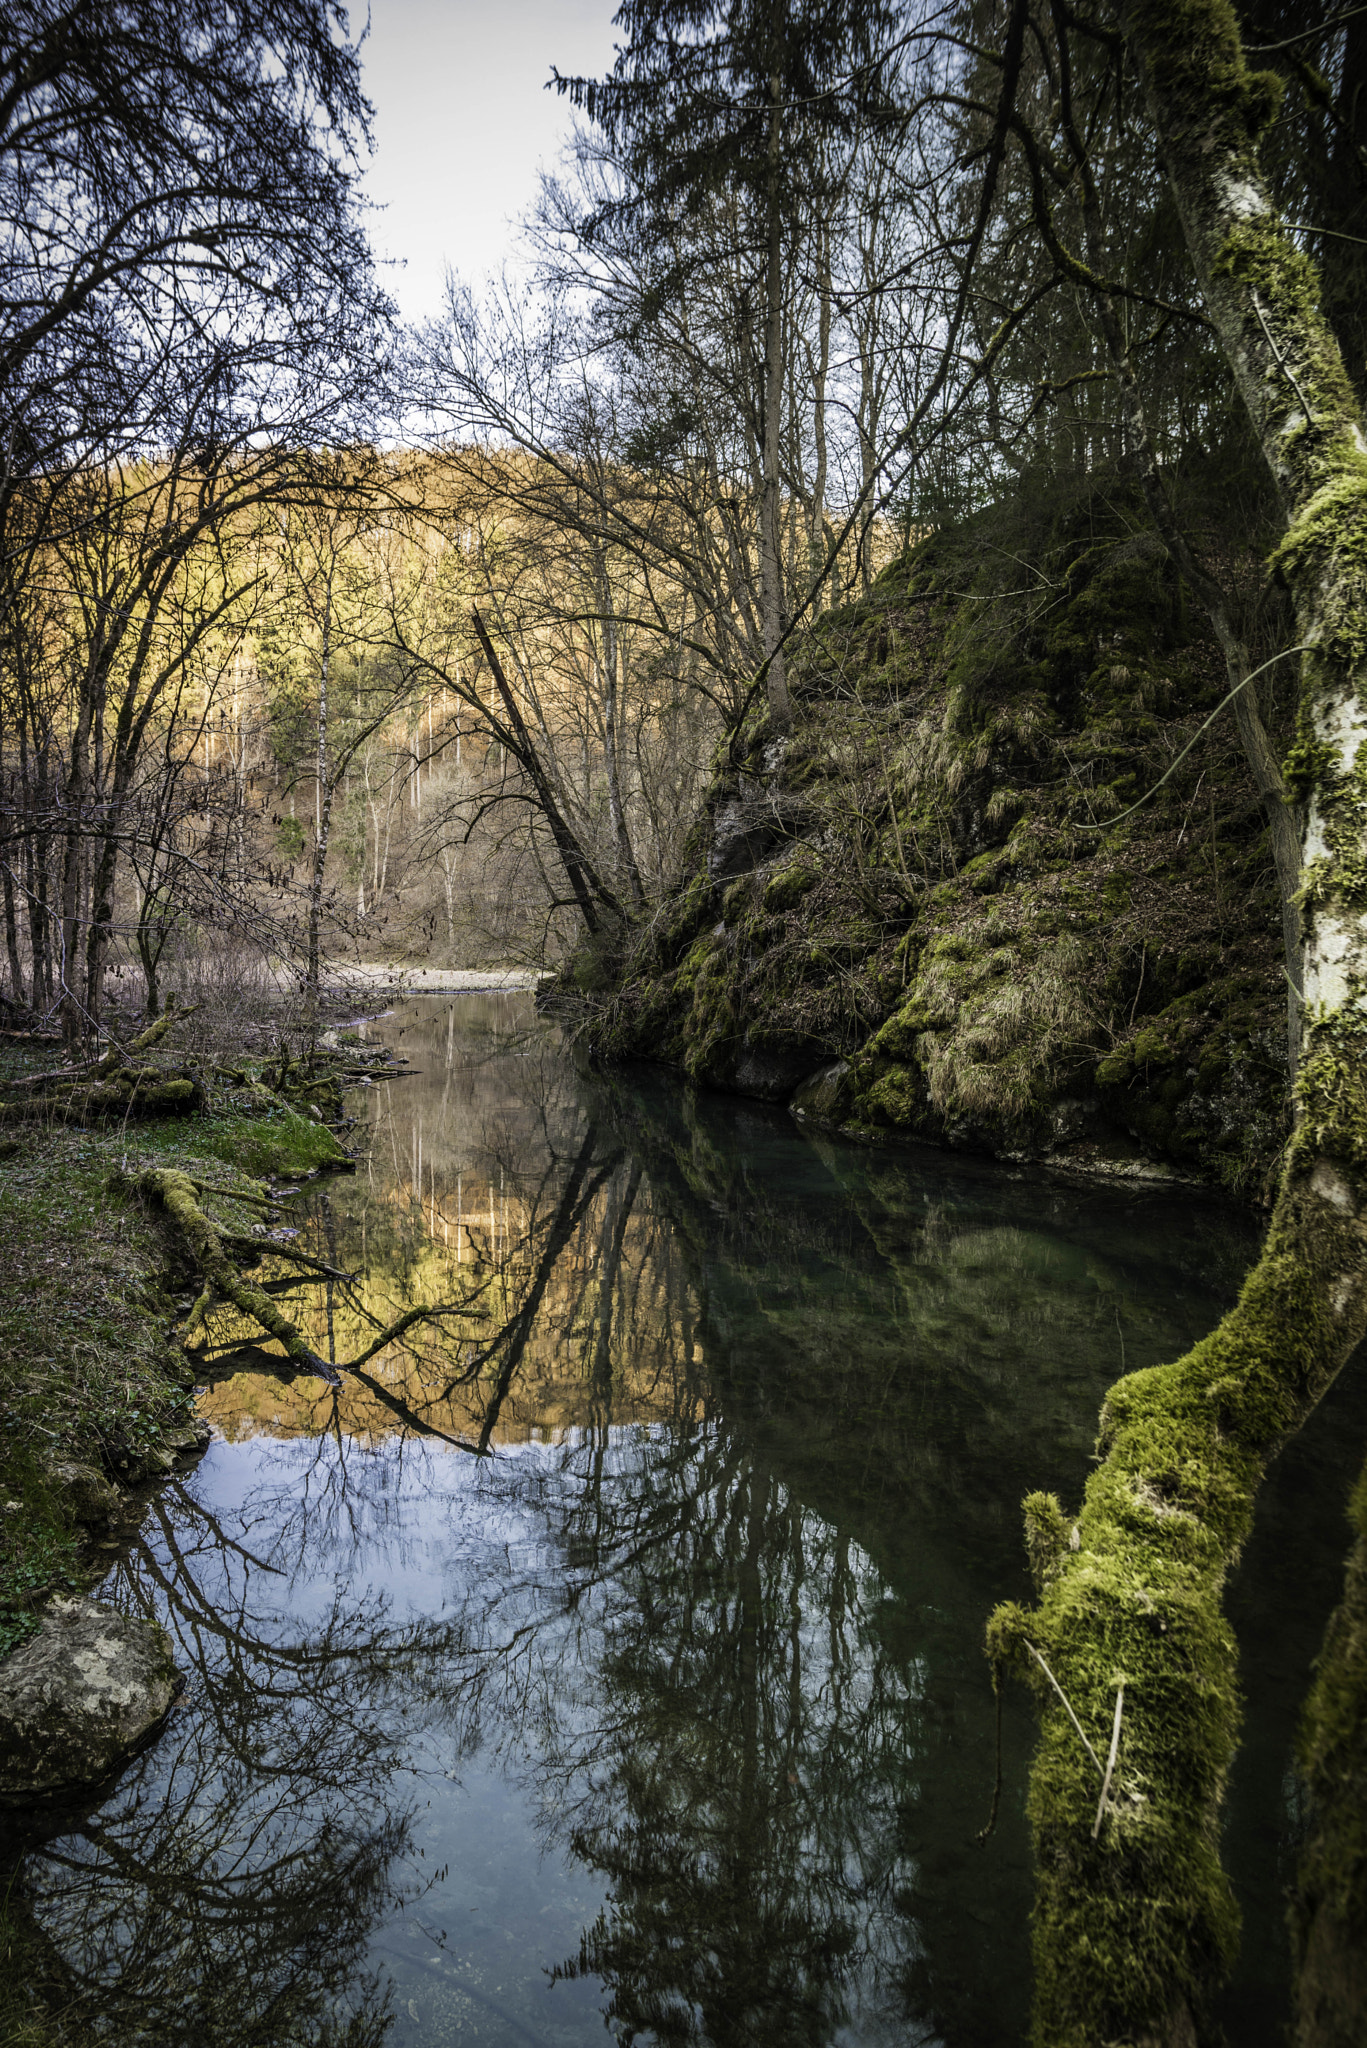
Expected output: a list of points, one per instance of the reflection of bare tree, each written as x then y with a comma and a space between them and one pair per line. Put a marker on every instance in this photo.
748, 1825
225, 1895
701, 1701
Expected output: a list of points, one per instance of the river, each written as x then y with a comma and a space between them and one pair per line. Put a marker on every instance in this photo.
609, 1650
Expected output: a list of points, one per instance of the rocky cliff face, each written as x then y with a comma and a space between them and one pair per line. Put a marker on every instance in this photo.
930, 910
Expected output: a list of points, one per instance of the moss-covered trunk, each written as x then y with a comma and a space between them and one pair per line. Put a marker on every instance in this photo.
1329, 1905
1134, 1916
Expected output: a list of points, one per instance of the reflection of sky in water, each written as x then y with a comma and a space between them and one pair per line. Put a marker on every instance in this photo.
673, 1711
488, 1669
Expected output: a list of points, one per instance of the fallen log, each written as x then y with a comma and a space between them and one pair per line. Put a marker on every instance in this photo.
207, 1247
177, 1195
109, 1085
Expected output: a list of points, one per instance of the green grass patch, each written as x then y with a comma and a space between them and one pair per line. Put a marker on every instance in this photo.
88, 1288
282, 1143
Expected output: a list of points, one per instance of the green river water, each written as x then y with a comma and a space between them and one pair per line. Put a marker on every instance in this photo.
609, 1653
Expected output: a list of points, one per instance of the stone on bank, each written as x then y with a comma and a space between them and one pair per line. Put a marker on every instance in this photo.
79, 1697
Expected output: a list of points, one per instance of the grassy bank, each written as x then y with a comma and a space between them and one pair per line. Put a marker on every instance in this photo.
95, 1393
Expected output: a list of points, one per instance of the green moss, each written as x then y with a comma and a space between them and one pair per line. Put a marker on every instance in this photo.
280, 1143
786, 888
1328, 541
1308, 762
1142, 1914
1331, 1093
1329, 1899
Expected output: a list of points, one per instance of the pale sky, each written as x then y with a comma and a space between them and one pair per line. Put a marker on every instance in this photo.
462, 124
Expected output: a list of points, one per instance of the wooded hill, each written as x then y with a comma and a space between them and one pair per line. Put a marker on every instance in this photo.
936, 911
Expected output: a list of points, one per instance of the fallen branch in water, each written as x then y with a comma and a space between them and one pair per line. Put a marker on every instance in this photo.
207, 1245
200, 1238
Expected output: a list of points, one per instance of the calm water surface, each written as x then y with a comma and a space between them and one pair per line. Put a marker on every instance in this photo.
609, 1652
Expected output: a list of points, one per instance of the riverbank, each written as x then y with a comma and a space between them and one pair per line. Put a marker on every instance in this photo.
98, 1287
98, 1284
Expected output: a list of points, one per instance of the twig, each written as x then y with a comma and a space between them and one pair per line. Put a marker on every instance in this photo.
1143, 963
1306, 647
981, 1837
1067, 1706
1110, 1761
1282, 362
268, 1245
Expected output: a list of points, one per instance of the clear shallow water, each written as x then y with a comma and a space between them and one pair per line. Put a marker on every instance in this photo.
611, 1649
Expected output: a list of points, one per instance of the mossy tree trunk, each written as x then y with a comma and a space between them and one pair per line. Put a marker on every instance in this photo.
1329, 1904
1135, 1919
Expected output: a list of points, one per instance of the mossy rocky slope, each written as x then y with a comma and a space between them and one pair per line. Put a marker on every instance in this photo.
930, 911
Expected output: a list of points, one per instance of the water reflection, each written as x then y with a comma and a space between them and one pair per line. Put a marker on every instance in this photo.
611, 1648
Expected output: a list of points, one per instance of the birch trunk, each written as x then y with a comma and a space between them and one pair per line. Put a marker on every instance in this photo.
1135, 1920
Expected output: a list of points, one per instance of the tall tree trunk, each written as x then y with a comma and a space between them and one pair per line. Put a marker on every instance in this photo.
102, 884
323, 817
71, 904
586, 884
1134, 1917
16, 967
821, 370
770, 548
621, 837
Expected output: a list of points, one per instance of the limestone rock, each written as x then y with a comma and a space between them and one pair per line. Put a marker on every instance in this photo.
824, 1096
88, 1492
189, 1436
78, 1698
769, 1073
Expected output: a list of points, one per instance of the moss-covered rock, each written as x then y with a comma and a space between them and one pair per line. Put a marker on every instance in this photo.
940, 880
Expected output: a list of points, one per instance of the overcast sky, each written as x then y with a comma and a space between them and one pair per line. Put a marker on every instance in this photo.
462, 123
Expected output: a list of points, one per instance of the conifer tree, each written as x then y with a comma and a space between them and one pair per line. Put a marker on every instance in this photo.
725, 106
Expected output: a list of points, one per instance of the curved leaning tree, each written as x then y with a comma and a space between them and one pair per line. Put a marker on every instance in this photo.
1128, 1650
